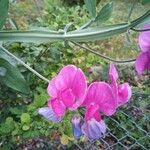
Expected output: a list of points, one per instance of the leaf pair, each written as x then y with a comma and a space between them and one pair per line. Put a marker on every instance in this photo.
103, 15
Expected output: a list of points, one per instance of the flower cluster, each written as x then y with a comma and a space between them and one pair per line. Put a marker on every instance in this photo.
69, 91
143, 60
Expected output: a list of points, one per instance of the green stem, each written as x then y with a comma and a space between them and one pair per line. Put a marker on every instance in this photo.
104, 57
25, 65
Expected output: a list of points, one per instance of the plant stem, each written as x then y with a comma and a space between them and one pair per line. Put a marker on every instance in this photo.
25, 65
105, 57
140, 30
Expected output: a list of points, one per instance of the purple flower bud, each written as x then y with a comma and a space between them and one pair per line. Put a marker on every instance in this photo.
93, 129
77, 122
49, 114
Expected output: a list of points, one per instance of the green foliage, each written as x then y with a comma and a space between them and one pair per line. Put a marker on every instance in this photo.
11, 77
105, 13
3, 12
91, 7
145, 2
25, 118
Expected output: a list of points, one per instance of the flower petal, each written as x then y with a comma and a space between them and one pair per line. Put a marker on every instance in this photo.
92, 111
55, 86
113, 74
62, 81
77, 122
79, 87
68, 73
49, 114
101, 93
93, 129
68, 97
142, 62
57, 106
144, 39
124, 93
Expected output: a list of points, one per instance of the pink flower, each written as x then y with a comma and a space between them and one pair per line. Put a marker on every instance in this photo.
144, 39
121, 92
143, 60
99, 98
67, 90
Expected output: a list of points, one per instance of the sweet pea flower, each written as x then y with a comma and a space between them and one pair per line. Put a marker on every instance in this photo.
143, 60
122, 92
67, 91
99, 98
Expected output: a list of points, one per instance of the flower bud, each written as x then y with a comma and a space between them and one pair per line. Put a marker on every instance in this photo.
93, 129
77, 122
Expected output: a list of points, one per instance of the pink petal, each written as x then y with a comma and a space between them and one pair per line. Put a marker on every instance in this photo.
114, 87
142, 62
55, 86
57, 106
68, 97
144, 39
92, 111
113, 74
68, 73
124, 93
101, 93
79, 87
62, 81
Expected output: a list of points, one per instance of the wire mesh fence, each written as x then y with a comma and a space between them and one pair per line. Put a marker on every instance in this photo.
128, 129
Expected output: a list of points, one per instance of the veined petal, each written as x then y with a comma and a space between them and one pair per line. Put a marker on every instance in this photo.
68, 98
144, 39
77, 122
113, 74
57, 106
62, 81
68, 73
55, 86
79, 87
124, 93
49, 114
101, 93
93, 129
92, 111
143, 62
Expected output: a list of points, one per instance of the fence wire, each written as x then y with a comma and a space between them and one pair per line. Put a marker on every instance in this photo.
128, 129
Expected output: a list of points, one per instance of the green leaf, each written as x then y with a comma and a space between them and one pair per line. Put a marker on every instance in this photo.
91, 7
25, 118
40, 100
144, 2
105, 13
25, 128
12, 78
3, 12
